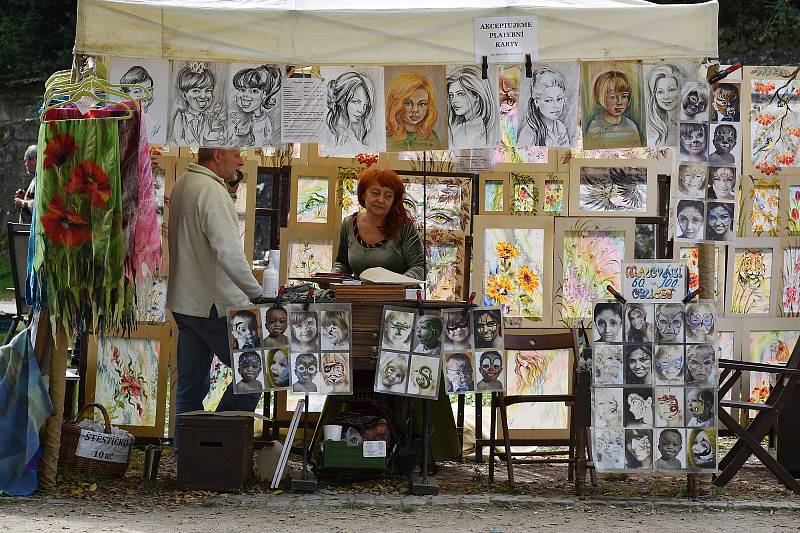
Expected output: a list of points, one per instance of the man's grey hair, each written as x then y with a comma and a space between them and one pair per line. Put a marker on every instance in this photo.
31, 152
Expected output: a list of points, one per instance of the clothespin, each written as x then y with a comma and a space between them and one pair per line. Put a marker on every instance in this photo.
468, 305
419, 302
308, 298
485, 68
617, 296
721, 75
692, 295
281, 292
528, 66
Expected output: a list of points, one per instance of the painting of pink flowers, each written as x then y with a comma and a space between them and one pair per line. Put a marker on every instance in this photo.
791, 281
127, 380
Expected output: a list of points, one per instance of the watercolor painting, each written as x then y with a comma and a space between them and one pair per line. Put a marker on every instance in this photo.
548, 102
416, 108
346, 191
445, 266
151, 300
613, 111
752, 279
794, 210
774, 124
307, 257
493, 196
766, 204
312, 200
127, 379
592, 260
613, 189
443, 209
553, 196
791, 281
524, 195
538, 372
508, 151
691, 258
513, 271
774, 348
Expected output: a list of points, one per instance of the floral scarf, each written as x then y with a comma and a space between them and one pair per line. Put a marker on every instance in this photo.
80, 254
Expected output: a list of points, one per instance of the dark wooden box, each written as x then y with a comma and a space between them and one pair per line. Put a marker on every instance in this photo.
216, 452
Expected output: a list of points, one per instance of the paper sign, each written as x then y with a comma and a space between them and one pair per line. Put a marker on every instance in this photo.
103, 446
506, 39
654, 282
472, 161
303, 109
374, 448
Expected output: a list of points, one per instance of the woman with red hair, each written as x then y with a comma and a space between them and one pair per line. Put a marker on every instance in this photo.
382, 234
411, 114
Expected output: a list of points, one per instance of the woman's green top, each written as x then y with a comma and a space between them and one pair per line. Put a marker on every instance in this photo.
402, 254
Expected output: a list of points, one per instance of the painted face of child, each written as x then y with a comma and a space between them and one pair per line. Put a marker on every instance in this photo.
276, 323
398, 330
491, 366
637, 319
392, 373
694, 142
694, 103
690, 220
458, 331
669, 444
702, 450
638, 406
279, 367
724, 139
249, 368
305, 367
426, 332
333, 371
700, 322
669, 364
719, 220
700, 363
487, 327
639, 446
607, 409
306, 331
695, 403
615, 103
694, 178
609, 326
639, 363
244, 331
456, 370
667, 407
333, 333
669, 322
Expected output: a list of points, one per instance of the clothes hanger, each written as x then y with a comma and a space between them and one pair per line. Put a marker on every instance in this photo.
90, 88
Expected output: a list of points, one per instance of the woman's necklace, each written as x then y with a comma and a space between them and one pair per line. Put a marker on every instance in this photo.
360, 240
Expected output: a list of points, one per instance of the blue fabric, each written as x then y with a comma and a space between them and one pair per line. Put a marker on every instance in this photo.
24, 406
33, 295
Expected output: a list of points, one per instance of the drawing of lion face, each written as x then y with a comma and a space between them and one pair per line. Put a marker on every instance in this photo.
752, 269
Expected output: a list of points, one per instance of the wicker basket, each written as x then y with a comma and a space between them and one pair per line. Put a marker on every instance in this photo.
70, 434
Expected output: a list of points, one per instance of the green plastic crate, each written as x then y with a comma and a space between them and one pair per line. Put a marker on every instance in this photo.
338, 455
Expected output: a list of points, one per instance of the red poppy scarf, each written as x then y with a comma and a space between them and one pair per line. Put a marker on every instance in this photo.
80, 253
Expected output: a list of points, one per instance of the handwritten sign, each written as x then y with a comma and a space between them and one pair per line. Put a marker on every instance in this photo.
103, 446
654, 282
506, 39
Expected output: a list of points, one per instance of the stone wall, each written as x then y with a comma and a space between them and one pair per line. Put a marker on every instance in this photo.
19, 127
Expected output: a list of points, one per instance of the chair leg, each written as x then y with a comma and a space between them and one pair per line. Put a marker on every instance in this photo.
573, 457
12, 330
478, 427
506, 438
580, 465
592, 470
492, 424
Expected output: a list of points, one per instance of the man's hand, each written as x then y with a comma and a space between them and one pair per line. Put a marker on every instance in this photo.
19, 194
258, 300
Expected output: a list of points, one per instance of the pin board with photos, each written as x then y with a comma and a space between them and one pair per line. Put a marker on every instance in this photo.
654, 392
291, 348
473, 350
410, 351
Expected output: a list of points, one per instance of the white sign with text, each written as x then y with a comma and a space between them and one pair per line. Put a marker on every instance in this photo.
104, 446
654, 282
506, 39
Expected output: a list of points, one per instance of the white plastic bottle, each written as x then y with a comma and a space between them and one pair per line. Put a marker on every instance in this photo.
269, 284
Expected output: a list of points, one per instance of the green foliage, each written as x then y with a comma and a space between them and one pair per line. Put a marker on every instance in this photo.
37, 37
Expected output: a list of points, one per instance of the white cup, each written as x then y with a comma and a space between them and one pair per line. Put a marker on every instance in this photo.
332, 432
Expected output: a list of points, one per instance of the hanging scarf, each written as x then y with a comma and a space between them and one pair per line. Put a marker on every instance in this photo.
80, 253
129, 179
146, 257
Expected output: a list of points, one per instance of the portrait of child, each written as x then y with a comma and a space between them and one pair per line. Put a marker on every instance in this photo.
335, 330
305, 367
488, 328
694, 101
335, 368
670, 448
638, 406
278, 366
638, 364
638, 448
702, 451
613, 110
719, 221
669, 406
458, 374
725, 138
457, 331
693, 142
638, 323
490, 366
424, 376
305, 331
690, 219
428, 334
725, 102
692, 181
276, 321
392, 373
250, 378
245, 329
607, 361
722, 183
397, 329
700, 368
608, 322
669, 364
607, 407
700, 318
669, 323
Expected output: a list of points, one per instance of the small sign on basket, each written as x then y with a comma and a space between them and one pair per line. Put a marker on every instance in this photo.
104, 446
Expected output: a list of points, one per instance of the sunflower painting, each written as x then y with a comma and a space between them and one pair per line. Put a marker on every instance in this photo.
513, 271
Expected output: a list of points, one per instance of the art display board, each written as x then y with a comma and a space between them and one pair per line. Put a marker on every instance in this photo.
613, 188
654, 281
753, 279
473, 350
655, 387
289, 347
710, 161
409, 353
129, 377
766, 340
511, 267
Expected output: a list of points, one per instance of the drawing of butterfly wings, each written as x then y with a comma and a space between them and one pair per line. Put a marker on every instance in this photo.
629, 187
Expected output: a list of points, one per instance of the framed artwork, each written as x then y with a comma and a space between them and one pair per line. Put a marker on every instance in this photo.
312, 197
772, 107
589, 254
752, 277
346, 193
446, 201
539, 372
613, 188
548, 106
493, 193
790, 205
770, 341
538, 193
790, 277
304, 252
688, 254
128, 376
763, 208
524, 194
444, 264
512, 269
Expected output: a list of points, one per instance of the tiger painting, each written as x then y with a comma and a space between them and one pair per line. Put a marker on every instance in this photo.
725, 106
751, 285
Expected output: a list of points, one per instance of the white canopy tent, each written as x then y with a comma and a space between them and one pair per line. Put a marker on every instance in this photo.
386, 32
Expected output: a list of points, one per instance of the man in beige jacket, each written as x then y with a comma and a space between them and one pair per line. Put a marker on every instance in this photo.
208, 273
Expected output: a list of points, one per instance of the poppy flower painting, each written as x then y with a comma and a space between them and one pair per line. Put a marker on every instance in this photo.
89, 179
58, 150
63, 227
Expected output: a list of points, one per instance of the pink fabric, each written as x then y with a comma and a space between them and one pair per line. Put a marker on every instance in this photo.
147, 255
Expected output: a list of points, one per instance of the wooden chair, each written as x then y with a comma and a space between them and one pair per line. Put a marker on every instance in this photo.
578, 401
18, 235
749, 440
